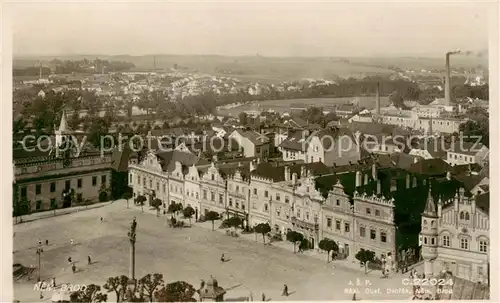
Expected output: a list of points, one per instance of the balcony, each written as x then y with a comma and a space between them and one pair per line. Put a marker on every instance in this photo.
304, 224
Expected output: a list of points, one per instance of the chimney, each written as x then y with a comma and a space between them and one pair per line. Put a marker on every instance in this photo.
358, 178
294, 178
379, 187
287, 173
366, 179
447, 80
408, 181
303, 171
440, 206
252, 166
469, 170
448, 176
374, 171
377, 99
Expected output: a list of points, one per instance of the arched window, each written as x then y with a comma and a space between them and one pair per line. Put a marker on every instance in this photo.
461, 215
433, 223
425, 222
467, 218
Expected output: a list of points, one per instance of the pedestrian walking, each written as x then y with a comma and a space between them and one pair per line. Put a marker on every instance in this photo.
73, 268
47, 242
222, 259
89, 260
263, 297
69, 259
72, 242
101, 219
39, 242
285, 290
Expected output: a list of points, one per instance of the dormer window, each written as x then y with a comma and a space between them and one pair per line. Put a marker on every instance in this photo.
212, 177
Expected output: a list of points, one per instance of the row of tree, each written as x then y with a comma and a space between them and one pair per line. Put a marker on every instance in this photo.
146, 289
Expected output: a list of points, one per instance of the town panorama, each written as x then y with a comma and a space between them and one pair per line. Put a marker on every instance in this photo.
166, 178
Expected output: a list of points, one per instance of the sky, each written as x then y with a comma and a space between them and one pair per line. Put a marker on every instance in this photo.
245, 28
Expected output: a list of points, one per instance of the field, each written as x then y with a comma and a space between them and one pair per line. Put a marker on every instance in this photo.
188, 254
286, 105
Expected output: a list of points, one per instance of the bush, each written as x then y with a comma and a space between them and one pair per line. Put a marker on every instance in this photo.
103, 196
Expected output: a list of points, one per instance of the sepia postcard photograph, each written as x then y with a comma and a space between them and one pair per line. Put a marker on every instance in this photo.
248, 151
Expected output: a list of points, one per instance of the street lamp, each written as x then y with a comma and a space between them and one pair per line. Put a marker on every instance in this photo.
39, 252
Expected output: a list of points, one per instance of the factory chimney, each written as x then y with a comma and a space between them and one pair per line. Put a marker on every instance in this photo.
447, 78
377, 96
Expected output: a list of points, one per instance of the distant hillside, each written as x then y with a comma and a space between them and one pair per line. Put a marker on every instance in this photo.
272, 69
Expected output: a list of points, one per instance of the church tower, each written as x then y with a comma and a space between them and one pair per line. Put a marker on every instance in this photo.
63, 133
429, 235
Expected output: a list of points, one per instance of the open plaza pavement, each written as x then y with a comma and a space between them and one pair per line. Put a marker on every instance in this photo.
186, 254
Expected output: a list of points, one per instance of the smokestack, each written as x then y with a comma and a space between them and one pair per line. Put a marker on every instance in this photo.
377, 99
447, 78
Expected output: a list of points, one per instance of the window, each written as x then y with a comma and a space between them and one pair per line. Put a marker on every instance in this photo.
467, 218
94, 181
483, 246
337, 224
237, 204
266, 207
255, 191
278, 197
377, 212
362, 231
79, 197
237, 188
346, 227
243, 206
67, 184
212, 196
204, 194
130, 179
266, 194
383, 237
164, 188
368, 211
338, 202
150, 183
143, 181
158, 186
287, 200
446, 241
258, 149
462, 215
79, 183
212, 177
307, 216
103, 179
464, 243
231, 202
38, 204
329, 222
221, 198
320, 160
432, 241
298, 213
373, 234
197, 195
138, 180
52, 187
53, 203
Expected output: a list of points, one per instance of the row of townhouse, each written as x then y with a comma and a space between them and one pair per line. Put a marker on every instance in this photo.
286, 197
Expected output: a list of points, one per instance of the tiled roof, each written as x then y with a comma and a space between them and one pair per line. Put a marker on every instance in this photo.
277, 172
169, 158
371, 128
430, 167
483, 202
466, 148
297, 140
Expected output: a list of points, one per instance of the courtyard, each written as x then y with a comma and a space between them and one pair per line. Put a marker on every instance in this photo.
187, 254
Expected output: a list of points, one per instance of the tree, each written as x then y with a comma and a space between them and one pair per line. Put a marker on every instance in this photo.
263, 229
127, 195
156, 203
140, 200
149, 284
478, 125
103, 194
173, 208
235, 222
117, 284
91, 294
212, 216
396, 99
243, 118
294, 237
328, 245
365, 256
188, 212
179, 291
98, 128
